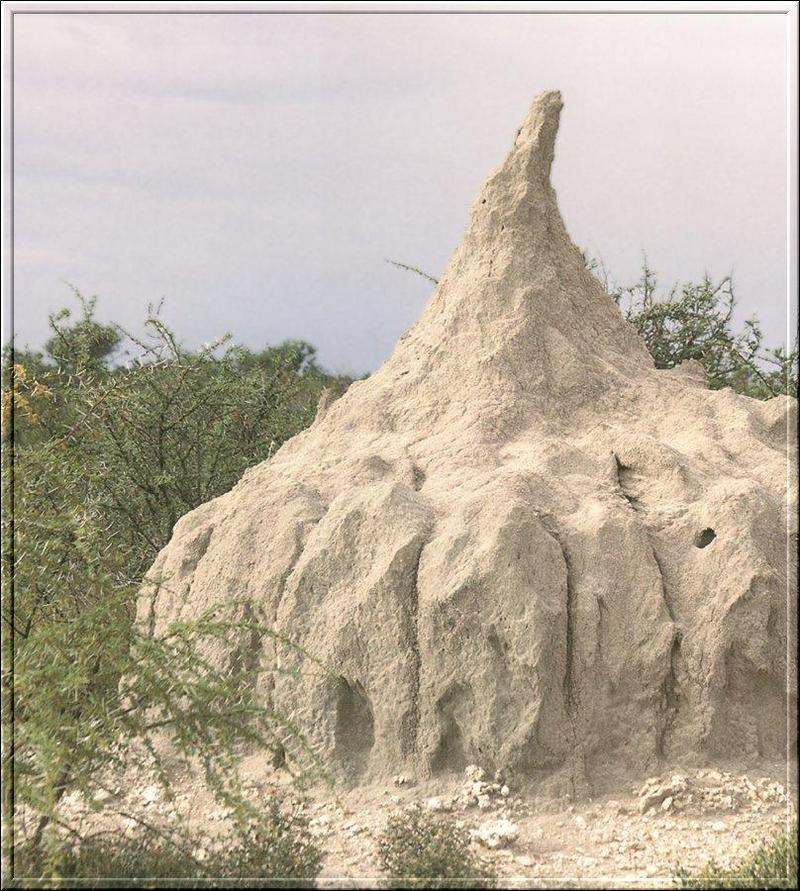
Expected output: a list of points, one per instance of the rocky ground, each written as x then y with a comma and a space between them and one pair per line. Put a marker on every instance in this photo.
685, 819
635, 839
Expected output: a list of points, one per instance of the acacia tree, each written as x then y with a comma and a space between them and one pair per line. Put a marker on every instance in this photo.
100, 460
695, 320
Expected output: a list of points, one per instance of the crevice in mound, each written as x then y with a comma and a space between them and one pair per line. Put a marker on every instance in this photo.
413, 620
569, 680
355, 727
245, 659
669, 704
578, 771
152, 598
194, 551
669, 695
664, 595
302, 532
624, 474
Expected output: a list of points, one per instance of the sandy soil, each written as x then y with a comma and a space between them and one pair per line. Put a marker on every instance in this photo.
636, 838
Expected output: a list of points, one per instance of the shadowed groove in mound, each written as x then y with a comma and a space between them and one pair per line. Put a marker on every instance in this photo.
355, 727
449, 754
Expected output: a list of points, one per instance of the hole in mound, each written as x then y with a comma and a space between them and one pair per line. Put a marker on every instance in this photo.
450, 754
704, 538
355, 727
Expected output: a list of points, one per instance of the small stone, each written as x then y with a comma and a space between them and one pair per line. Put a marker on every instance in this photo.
496, 834
505, 791
400, 780
436, 804
474, 773
150, 794
666, 804
524, 860
719, 826
484, 802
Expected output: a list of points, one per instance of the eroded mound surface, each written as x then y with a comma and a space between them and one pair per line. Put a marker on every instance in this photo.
517, 544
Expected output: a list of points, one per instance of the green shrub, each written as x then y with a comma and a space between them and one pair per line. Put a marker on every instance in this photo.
101, 455
279, 846
772, 865
426, 851
104, 857
696, 321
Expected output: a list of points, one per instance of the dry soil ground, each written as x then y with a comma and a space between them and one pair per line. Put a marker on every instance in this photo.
636, 838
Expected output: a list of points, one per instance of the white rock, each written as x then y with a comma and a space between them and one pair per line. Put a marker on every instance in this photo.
496, 833
150, 794
436, 804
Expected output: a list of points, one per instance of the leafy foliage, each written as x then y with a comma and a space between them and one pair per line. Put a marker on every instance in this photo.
423, 850
100, 460
695, 321
87, 344
280, 848
772, 865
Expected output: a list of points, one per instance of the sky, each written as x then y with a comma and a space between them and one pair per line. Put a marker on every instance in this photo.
256, 171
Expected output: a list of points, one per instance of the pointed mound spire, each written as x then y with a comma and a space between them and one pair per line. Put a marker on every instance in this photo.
525, 173
517, 200
536, 138
516, 303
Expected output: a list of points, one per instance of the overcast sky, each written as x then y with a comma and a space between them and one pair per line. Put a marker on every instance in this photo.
257, 170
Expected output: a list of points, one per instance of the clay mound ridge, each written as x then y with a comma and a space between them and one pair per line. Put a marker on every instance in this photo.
517, 544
